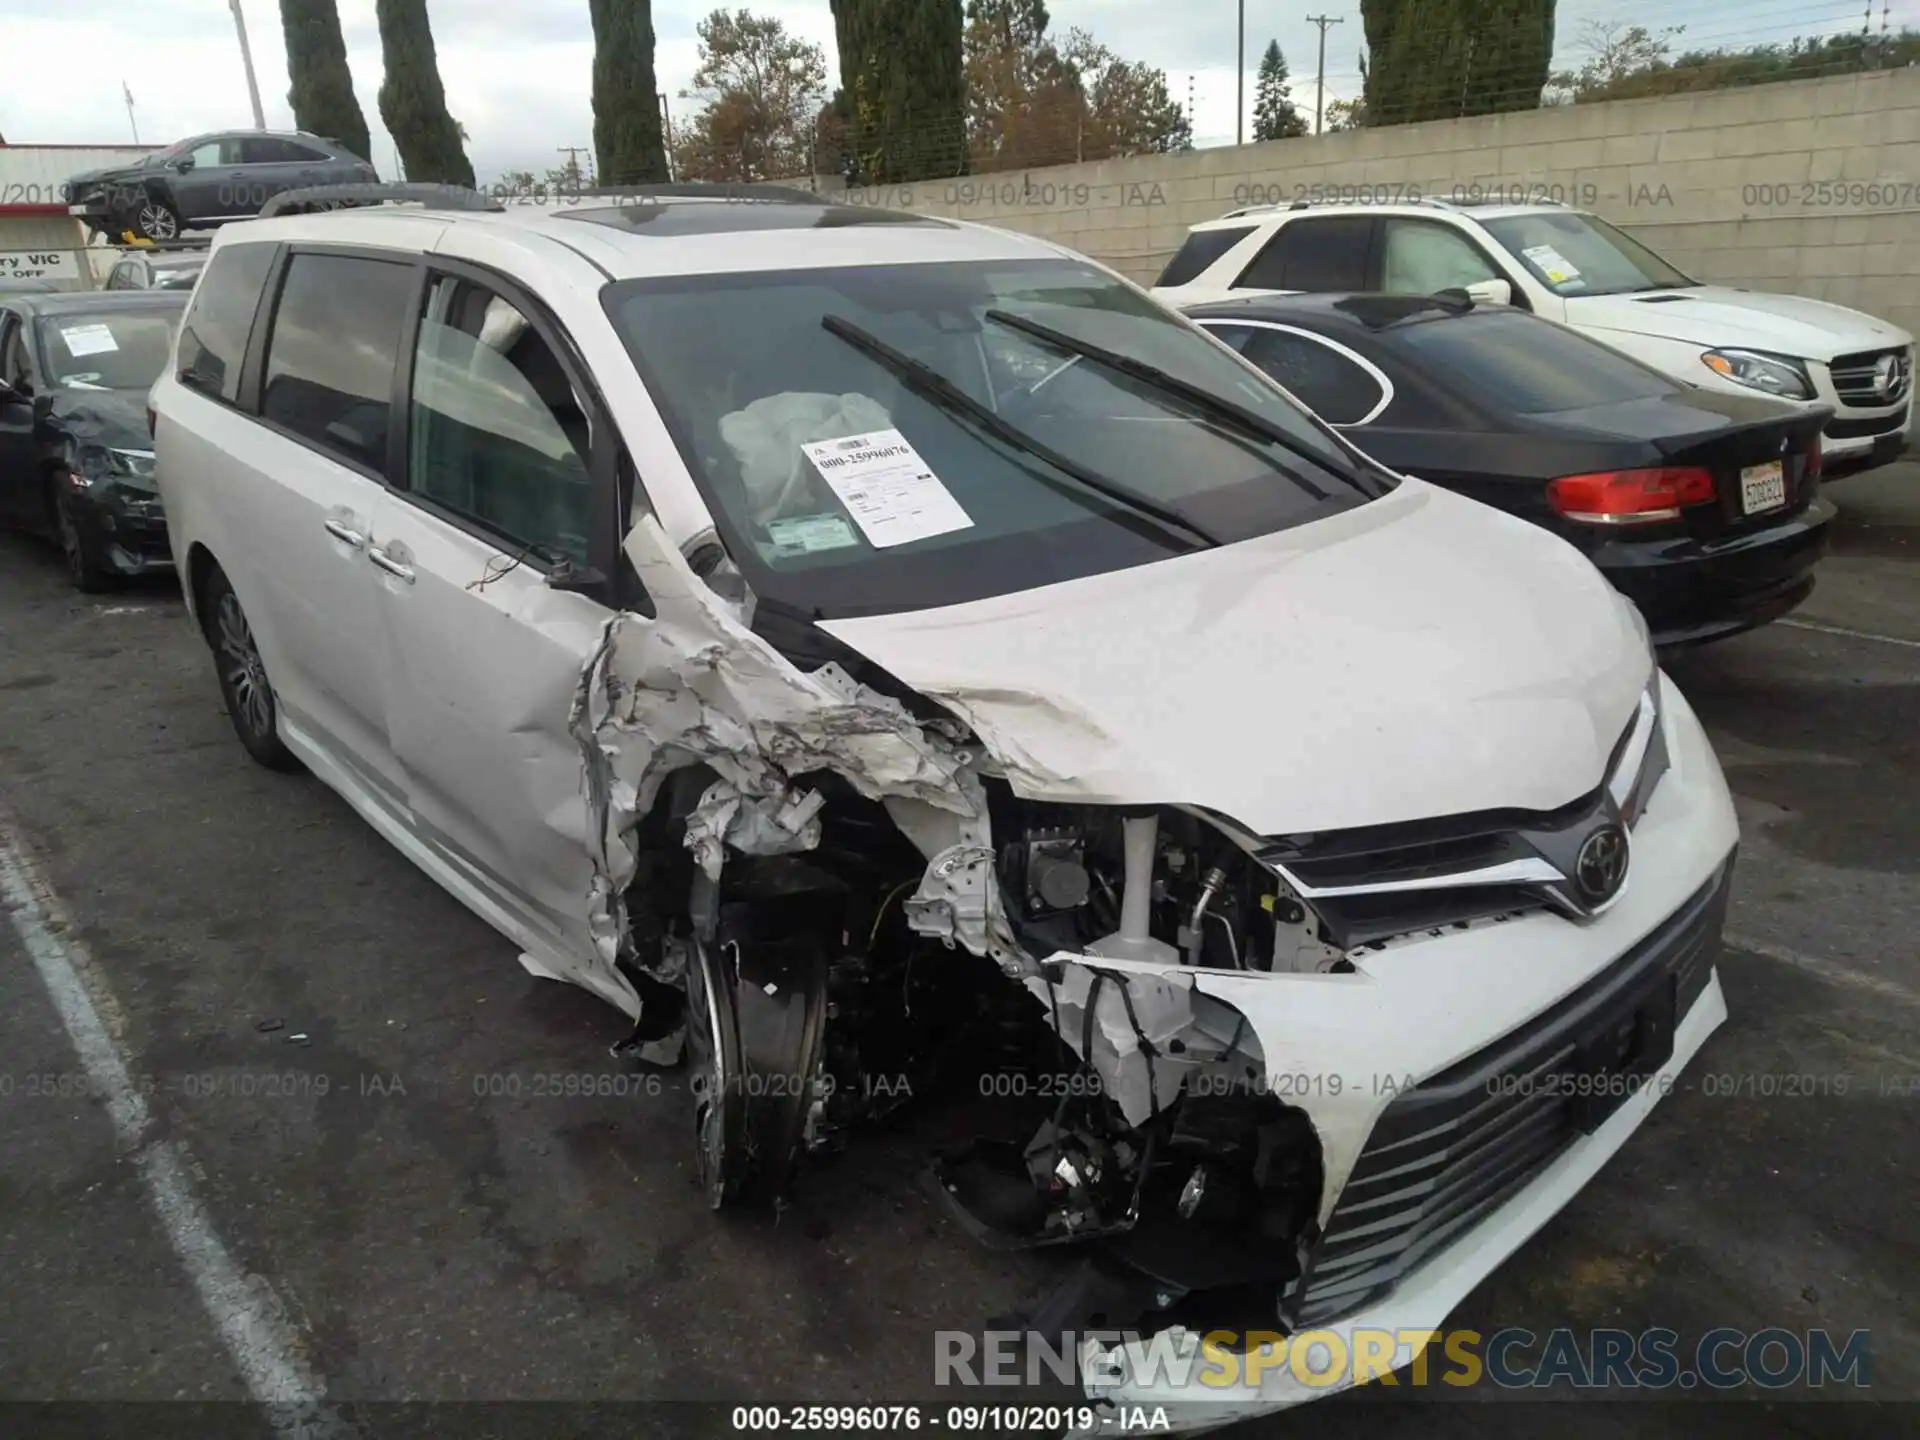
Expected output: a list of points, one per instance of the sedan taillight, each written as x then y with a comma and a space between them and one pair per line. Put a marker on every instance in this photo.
1631, 497
152, 420
1814, 460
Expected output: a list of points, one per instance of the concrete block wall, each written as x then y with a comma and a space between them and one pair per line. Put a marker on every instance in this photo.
1809, 187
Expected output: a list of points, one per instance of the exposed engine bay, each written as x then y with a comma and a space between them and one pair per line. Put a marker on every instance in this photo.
832, 894
824, 941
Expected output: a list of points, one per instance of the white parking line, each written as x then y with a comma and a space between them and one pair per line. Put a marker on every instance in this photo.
244, 1309
1832, 971
1818, 628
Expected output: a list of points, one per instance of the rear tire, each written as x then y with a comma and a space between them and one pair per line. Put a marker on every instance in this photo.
243, 676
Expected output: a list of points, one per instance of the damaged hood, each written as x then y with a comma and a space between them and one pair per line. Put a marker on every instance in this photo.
115, 418
1422, 655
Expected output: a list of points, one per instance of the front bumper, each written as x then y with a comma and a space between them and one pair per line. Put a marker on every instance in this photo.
1691, 591
128, 538
1424, 1007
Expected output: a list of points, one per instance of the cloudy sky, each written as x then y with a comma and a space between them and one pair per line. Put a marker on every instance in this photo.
519, 76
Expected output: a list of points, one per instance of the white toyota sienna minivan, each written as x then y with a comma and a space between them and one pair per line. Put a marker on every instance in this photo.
865, 647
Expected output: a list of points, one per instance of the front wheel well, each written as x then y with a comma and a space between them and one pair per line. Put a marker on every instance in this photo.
201, 568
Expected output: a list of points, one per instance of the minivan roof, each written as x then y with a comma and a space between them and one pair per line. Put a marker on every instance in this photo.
671, 235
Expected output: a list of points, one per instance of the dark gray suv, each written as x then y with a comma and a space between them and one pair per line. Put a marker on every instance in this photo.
206, 179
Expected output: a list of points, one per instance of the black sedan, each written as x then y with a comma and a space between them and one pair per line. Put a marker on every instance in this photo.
76, 457
1702, 507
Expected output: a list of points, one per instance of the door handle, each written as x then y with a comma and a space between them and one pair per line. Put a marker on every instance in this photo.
340, 530
392, 566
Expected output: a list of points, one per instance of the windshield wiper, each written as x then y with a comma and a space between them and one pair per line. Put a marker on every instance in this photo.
937, 389
1238, 416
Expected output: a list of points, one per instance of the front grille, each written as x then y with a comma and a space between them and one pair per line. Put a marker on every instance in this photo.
1370, 885
1856, 378
1449, 1152
1861, 429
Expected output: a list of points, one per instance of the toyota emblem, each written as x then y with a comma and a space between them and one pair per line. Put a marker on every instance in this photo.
1600, 869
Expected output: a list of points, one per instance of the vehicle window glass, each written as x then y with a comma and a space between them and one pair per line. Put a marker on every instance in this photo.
121, 278
106, 349
1320, 377
1203, 247
13, 352
304, 154
1574, 254
747, 376
1419, 257
497, 432
214, 152
332, 350
1314, 255
1527, 366
213, 337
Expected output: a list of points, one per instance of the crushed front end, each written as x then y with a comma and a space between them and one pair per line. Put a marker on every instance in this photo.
1266, 1083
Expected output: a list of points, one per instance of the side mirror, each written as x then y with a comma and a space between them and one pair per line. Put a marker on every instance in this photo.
183, 164
1491, 292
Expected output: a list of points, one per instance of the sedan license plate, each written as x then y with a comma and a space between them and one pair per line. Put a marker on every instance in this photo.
1762, 487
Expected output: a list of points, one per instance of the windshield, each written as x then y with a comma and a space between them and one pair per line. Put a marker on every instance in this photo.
921, 447
1574, 254
1527, 365
105, 349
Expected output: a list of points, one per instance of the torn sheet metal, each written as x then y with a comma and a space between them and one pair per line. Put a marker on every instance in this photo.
696, 686
1152, 1030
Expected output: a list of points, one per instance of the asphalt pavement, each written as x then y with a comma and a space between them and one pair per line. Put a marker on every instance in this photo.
347, 1068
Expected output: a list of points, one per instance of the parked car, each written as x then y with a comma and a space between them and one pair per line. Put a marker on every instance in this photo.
156, 270
1701, 506
1569, 266
76, 457
866, 647
207, 179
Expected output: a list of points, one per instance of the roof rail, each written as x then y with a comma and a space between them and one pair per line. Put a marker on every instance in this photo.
1433, 202
332, 197
692, 190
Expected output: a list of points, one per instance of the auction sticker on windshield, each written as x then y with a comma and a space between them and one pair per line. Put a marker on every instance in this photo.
88, 339
1551, 263
892, 494
803, 534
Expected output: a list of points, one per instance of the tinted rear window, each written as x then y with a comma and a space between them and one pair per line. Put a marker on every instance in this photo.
213, 337
332, 351
1317, 255
1203, 247
1527, 366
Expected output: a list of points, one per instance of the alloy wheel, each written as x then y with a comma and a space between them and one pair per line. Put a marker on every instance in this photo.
241, 668
156, 221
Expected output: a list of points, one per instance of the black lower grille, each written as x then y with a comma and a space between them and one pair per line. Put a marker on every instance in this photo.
1858, 429
1450, 1151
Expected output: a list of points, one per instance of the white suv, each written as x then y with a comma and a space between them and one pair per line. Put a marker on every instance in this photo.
856, 644
1574, 267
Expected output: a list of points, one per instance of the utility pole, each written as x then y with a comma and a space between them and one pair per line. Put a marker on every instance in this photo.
1239, 78
1320, 84
135, 124
246, 59
572, 168
666, 129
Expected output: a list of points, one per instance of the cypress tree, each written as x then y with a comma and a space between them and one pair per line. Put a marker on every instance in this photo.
903, 69
412, 101
627, 143
320, 85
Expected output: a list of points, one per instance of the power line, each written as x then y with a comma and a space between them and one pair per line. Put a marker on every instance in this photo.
1320, 84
